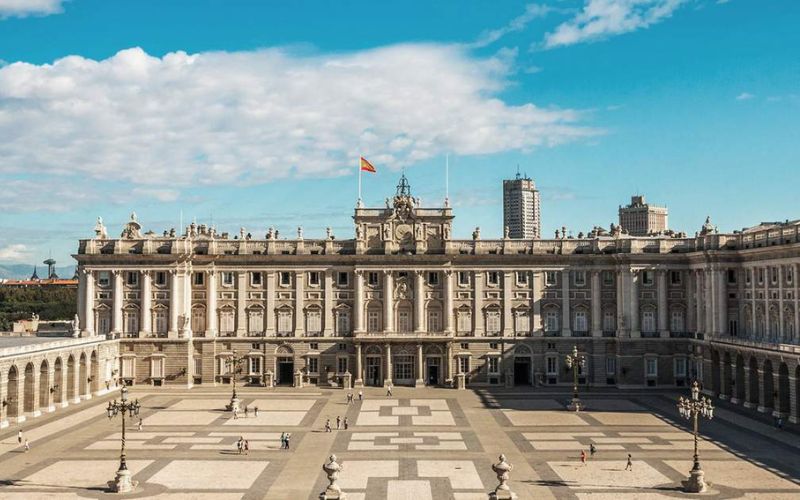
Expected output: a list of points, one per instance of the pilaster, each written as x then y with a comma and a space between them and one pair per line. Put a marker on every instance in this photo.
663, 325
388, 301
146, 302
299, 304
241, 304
118, 327
271, 293
359, 302
508, 295
565, 309
359, 382
420, 381
477, 313
327, 304
173, 304
89, 303
419, 301
449, 313
388, 378
597, 327
635, 314
211, 303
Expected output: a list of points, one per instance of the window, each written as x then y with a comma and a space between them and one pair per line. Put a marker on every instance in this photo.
198, 319
647, 278
651, 367
434, 321
433, 278
227, 279
463, 364
284, 321
314, 346
341, 365
373, 321
748, 276
464, 345
680, 367
404, 320
313, 278
611, 366
254, 365
255, 321
522, 278
676, 323
609, 321
550, 278
493, 278
580, 321
675, 277
104, 278
463, 278
160, 321
608, 278
286, 278
157, 368
773, 275
551, 321
494, 346
343, 322
493, 364
372, 279
313, 365
127, 367
464, 320
131, 322
731, 276
161, 278
313, 321
493, 321
789, 274
760, 275
522, 323
648, 321
226, 321
132, 278
580, 278
342, 279
552, 365
198, 280
255, 279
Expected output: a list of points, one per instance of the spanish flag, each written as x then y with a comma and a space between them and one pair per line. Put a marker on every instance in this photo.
367, 166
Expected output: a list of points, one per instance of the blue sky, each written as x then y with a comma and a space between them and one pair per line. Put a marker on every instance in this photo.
251, 113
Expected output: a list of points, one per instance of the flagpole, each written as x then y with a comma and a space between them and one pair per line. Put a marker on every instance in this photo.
358, 204
447, 180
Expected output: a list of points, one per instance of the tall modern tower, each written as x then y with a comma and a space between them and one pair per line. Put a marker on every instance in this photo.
521, 208
641, 218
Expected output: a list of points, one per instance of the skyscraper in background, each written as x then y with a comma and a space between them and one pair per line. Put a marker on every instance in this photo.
641, 218
521, 208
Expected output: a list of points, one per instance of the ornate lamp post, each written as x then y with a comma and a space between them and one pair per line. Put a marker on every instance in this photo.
575, 361
691, 409
232, 363
122, 482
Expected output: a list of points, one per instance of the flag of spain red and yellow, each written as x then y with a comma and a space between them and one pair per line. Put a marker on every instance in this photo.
367, 166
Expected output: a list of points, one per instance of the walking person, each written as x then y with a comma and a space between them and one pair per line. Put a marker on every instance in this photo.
255, 411
338, 422
19, 437
139, 425
345, 423
592, 450
246, 447
240, 444
245, 411
283, 440
360, 395
328, 425
288, 436
27, 446
389, 390
629, 465
583, 457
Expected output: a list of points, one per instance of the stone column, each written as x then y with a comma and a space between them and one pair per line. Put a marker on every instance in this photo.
81, 303
388, 301
635, 330
359, 380
508, 295
747, 394
761, 396
358, 322
536, 299
51, 382
597, 326
76, 381
796, 279
299, 304
753, 322
622, 303
699, 298
146, 326
448, 302
88, 313
173, 304
565, 311
420, 368
663, 325
328, 304
241, 304
793, 402
270, 312
708, 308
388, 376
211, 303
448, 370
117, 303
767, 328
477, 313
419, 302
690, 307
781, 327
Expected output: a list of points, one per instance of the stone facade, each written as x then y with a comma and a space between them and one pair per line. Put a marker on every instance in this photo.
404, 302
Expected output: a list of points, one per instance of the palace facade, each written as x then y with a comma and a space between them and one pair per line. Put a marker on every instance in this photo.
405, 303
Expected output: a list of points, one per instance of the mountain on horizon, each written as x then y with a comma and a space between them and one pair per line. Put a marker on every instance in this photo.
24, 271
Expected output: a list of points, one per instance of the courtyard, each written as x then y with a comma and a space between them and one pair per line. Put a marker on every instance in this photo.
417, 444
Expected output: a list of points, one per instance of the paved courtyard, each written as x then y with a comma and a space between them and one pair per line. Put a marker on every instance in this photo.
419, 444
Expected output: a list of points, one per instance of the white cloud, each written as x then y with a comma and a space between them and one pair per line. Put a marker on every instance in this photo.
14, 253
603, 18
162, 195
22, 8
532, 11
247, 117
744, 96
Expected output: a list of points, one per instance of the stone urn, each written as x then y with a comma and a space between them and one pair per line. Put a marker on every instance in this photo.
503, 491
332, 470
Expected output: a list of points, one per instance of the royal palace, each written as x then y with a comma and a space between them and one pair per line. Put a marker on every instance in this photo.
404, 303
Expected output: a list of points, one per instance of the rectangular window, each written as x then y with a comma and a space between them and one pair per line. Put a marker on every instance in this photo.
760, 275
255, 279
464, 321
313, 278
680, 367
433, 278
609, 321
552, 365
789, 274
404, 321
773, 274
493, 278
132, 278
463, 278
342, 279
373, 321
493, 322
551, 321
372, 279
226, 321
286, 278
103, 278
748, 276
647, 278
434, 321
284, 321
651, 367
493, 364
731, 276
343, 323
494, 346
313, 365
648, 321
227, 279
580, 321
463, 364
551, 277
341, 365
608, 278
611, 366
254, 365
314, 346
522, 278
675, 277
523, 322
676, 321
127, 367
199, 279
161, 278
161, 321
313, 322
580, 278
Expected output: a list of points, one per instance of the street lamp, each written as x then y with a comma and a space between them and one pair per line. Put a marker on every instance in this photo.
691, 409
123, 483
575, 362
232, 364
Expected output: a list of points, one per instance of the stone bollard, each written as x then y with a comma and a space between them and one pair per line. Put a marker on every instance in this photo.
269, 379
460, 381
298, 379
502, 492
347, 380
333, 491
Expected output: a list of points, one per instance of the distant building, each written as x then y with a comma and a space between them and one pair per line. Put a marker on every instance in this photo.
521, 213
640, 218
